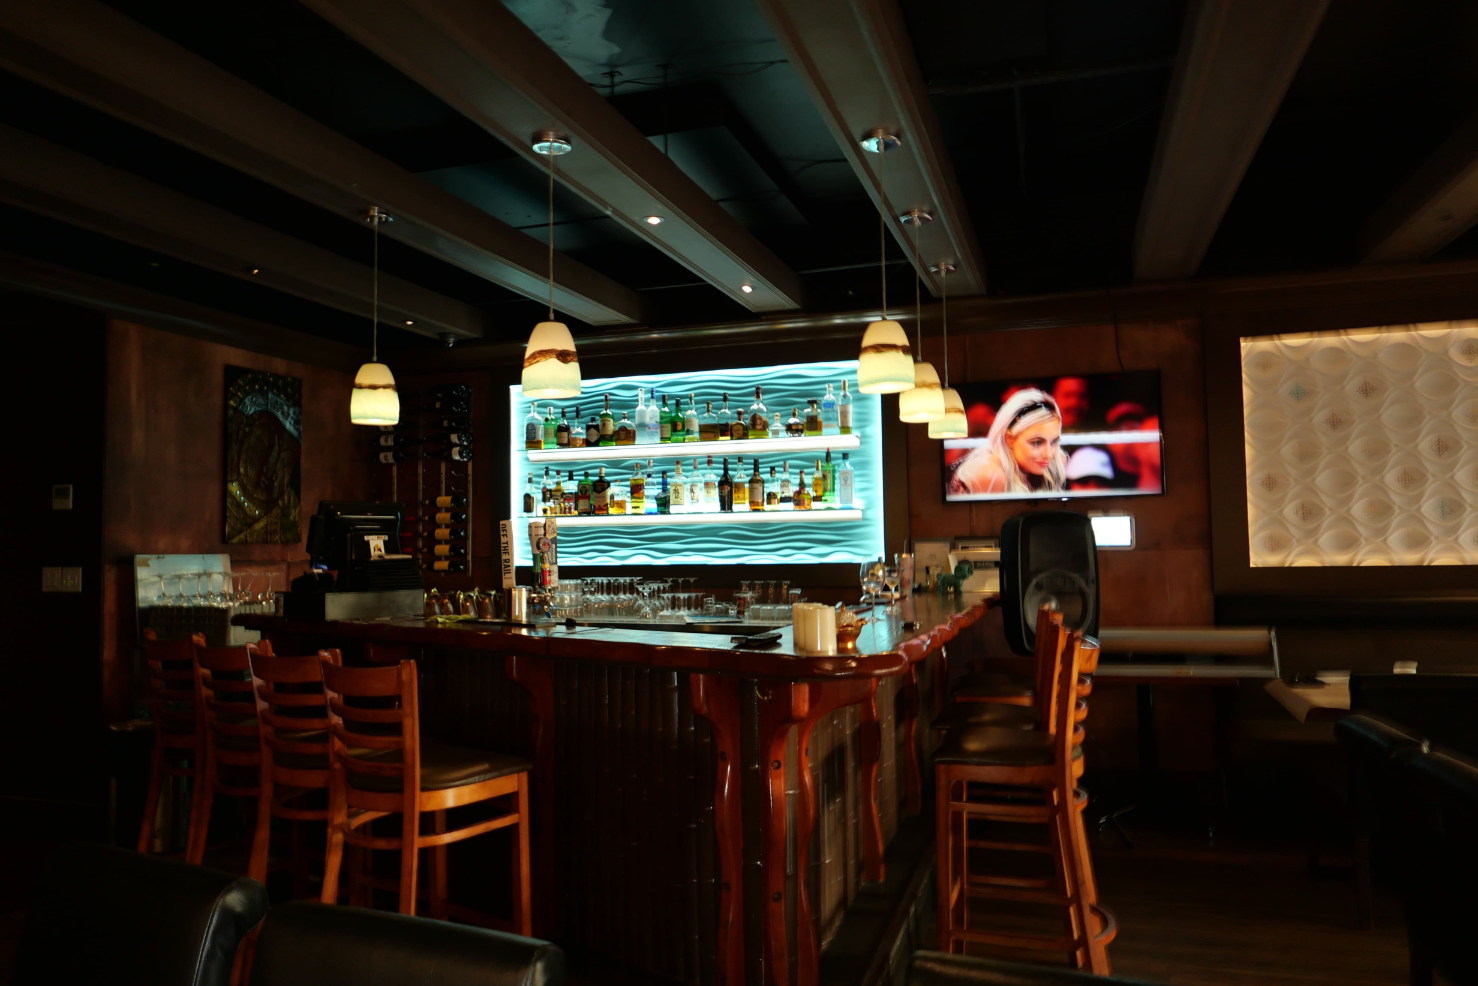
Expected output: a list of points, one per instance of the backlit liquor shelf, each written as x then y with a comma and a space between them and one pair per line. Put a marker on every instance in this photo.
726, 518
684, 450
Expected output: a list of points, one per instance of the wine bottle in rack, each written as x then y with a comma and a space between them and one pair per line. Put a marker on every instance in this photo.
450, 534
450, 550
399, 441
454, 453
446, 565
444, 502
445, 517
390, 458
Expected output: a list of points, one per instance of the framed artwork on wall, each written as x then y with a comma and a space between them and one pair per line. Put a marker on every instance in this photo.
264, 447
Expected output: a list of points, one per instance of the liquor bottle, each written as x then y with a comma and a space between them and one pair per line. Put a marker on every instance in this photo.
737, 427
546, 491
664, 497
757, 488
678, 495
845, 483
450, 534
818, 487
600, 494
829, 423
794, 428
639, 417
447, 501
695, 490
654, 422
829, 474
562, 431
725, 420
571, 495
844, 411
625, 431
664, 421
577, 430
677, 430
607, 424
446, 565
690, 421
619, 501
772, 491
725, 487
650, 506
708, 426
389, 458
741, 486
758, 421
592, 432
450, 550
445, 517
802, 498
582, 495
638, 499
813, 419
557, 497
454, 453
530, 498
551, 428
533, 429
710, 488
786, 490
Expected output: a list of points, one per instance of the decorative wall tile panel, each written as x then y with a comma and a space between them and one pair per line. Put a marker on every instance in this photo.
1362, 446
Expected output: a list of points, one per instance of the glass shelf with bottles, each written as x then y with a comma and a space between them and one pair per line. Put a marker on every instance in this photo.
561, 434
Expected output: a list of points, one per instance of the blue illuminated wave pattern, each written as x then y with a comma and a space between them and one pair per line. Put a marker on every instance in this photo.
785, 387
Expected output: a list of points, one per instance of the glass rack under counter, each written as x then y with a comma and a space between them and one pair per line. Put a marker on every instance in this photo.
810, 448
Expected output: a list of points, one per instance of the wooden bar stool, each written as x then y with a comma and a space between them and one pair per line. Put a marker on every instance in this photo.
177, 734
232, 741
380, 766
1008, 775
292, 713
1013, 689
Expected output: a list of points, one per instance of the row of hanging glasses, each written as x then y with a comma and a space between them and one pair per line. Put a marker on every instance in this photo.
244, 591
628, 598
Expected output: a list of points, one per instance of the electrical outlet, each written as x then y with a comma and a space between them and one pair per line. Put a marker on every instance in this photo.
71, 580
51, 580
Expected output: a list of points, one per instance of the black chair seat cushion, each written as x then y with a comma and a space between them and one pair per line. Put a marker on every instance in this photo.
959, 714
442, 766
107, 915
938, 969
997, 746
993, 685
305, 944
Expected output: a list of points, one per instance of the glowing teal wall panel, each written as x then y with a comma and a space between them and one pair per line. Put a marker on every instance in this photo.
763, 543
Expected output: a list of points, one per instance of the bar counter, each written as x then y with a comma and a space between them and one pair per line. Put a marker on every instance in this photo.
636, 855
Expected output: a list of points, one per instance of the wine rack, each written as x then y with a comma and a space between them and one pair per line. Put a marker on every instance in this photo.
428, 467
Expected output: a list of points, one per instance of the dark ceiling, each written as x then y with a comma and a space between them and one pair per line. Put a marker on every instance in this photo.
1048, 110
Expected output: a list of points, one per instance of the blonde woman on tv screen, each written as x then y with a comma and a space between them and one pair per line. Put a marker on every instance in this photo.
1022, 452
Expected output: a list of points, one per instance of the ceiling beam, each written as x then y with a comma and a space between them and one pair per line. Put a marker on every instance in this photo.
89, 52
856, 60
1433, 207
42, 177
1236, 61
481, 59
161, 311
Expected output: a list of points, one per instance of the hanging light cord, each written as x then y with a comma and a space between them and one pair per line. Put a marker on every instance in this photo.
375, 304
882, 226
551, 232
944, 317
918, 304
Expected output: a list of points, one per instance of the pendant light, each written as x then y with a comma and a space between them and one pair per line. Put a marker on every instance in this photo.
374, 401
885, 365
551, 368
953, 424
924, 402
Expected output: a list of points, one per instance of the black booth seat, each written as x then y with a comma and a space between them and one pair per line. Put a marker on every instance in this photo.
305, 944
105, 915
939, 969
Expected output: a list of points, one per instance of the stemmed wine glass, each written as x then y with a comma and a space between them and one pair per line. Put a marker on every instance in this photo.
890, 582
871, 576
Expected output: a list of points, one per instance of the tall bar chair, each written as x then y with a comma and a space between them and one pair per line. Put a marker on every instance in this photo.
177, 730
1008, 775
381, 766
232, 742
292, 714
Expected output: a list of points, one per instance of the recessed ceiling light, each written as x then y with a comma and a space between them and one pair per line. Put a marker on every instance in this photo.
652, 220
410, 321
746, 289
256, 270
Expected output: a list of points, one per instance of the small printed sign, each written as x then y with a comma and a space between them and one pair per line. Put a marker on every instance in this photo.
376, 545
505, 552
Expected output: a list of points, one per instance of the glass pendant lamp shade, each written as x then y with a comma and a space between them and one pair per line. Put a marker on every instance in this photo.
374, 401
886, 364
551, 368
953, 424
925, 402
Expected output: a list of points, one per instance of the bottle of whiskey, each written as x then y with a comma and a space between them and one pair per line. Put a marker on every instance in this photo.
845, 483
741, 486
545, 492
571, 495
690, 421
626, 430
757, 488
829, 422
562, 431
772, 491
677, 496
758, 419
844, 411
600, 494
582, 495
793, 426
577, 430
813, 419
738, 428
786, 491
607, 424
638, 499
533, 429
557, 497
708, 425
551, 428
725, 489
818, 486
802, 497
829, 475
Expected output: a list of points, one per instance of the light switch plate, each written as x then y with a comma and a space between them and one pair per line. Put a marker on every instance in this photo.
71, 580
51, 580
61, 496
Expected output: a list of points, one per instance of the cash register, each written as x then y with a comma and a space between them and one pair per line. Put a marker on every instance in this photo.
357, 569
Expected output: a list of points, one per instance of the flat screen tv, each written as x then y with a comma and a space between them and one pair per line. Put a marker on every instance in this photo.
1075, 435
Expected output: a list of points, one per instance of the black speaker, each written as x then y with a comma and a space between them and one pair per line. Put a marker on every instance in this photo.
1051, 558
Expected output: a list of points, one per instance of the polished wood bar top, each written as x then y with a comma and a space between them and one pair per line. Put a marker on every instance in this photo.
898, 636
